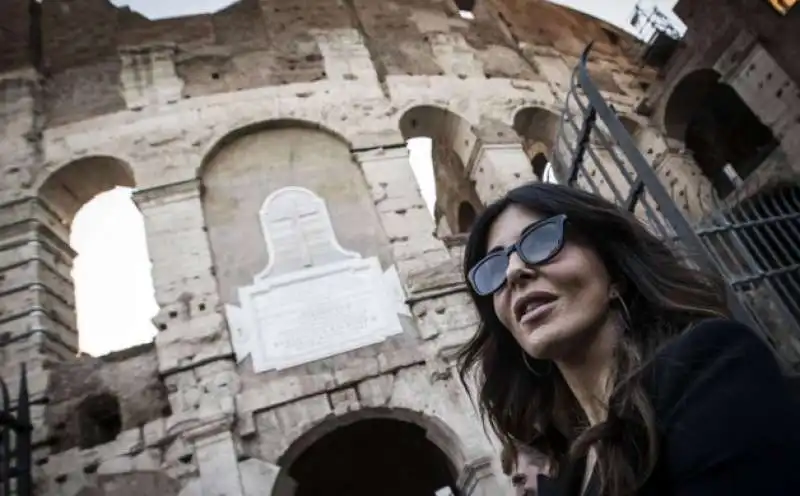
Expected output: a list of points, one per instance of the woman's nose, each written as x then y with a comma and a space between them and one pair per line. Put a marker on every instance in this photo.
517, 269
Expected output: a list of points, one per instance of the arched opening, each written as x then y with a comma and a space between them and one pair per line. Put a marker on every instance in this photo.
247, 165
466, 217
370, 456
537, 128
420, 157
466, 9
99, 420
725, 137
446, 183
113, 301
539, 164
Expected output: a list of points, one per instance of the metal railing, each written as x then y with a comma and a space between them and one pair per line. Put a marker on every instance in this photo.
753, 243
15, 441
660, 35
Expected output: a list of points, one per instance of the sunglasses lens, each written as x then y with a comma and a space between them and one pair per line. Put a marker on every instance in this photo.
490, 274
541, 243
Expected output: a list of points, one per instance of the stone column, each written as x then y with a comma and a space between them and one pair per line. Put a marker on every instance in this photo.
497, 168
37, 302
401, 209
430, 276
692, 191
37, 299
194, 348
215, 452
189, 319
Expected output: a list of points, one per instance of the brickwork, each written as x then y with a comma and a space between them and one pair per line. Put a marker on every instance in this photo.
206, 116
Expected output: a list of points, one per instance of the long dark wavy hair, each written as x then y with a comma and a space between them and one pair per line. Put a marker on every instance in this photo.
663, 295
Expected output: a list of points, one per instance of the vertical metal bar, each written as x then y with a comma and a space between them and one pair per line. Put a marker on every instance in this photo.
6, 455
24, 445
633, 195
583, 139
774, 263
749, 229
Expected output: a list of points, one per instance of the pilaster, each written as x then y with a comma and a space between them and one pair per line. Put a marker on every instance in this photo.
430, 276
496, 168
194, 349
190, 322
401, 209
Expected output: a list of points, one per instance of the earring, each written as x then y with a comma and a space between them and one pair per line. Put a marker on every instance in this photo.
531, 369
626, 314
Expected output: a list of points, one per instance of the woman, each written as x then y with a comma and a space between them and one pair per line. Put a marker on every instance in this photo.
601, 347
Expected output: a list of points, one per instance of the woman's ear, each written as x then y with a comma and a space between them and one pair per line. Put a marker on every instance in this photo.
617, 288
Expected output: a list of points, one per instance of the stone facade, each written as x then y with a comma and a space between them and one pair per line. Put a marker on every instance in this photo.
207, 116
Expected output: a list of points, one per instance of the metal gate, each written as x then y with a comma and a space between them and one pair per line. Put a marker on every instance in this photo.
754, 244
15, 441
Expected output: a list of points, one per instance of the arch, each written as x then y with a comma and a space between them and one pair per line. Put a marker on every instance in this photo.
466, 217
62, 194
441, 125
74, 184
436, 429
435, 442
453, 141
689, 94
539, 164
725, 137
250, 164
465, 5
229, 136
536, 125
99, 420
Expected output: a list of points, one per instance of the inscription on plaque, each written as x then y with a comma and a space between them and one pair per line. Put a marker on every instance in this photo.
314, 299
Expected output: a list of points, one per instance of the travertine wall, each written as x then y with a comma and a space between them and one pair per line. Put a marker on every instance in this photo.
207, 116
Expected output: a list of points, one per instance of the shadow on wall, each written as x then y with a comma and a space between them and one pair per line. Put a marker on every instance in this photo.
93, 400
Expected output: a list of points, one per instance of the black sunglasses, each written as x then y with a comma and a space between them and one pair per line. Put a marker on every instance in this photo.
537, 244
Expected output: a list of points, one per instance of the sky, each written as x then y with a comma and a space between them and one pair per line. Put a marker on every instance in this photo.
113, 284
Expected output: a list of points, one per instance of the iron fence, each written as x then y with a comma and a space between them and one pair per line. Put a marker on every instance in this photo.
15, 441
752, 241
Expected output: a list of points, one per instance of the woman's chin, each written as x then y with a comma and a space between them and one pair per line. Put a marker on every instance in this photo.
543, 343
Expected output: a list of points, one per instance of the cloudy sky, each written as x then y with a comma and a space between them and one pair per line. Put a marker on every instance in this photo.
112, 272
614, 11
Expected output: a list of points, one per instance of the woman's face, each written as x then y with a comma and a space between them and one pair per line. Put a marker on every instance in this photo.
568, 296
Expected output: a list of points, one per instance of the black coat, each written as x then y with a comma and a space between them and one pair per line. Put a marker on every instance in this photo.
728, 422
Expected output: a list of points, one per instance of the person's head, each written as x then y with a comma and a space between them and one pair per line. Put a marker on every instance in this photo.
523, 464
555, 272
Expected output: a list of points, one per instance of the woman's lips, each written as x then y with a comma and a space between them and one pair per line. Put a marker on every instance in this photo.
537, 313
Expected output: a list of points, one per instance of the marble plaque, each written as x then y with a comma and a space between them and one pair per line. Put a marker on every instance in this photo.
298, 232
314, 299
